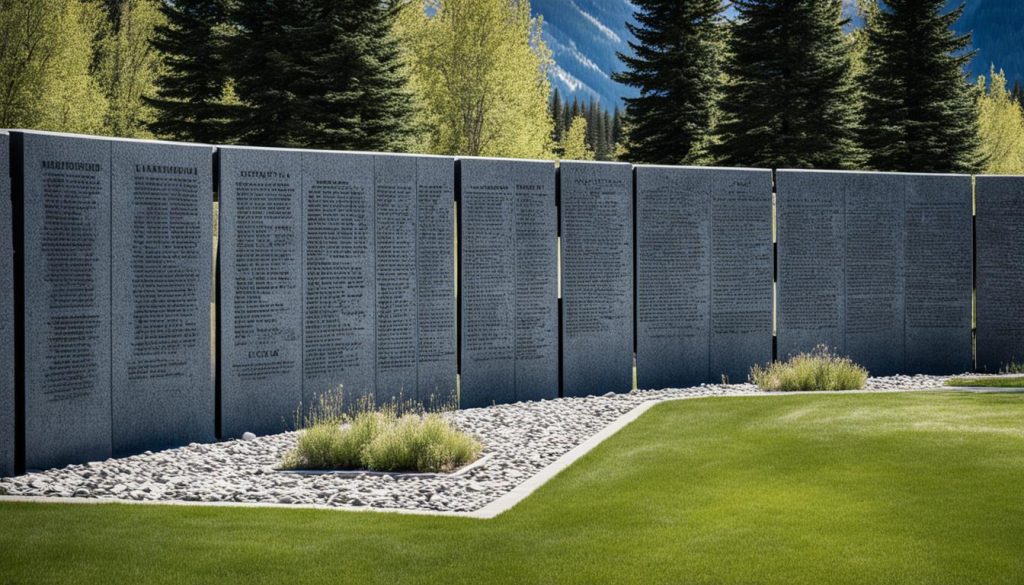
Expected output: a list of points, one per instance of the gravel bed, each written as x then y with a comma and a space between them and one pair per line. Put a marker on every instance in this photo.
522, 439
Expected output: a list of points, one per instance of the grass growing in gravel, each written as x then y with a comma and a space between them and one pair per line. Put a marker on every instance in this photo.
916, 489
1014, 382
818, 370
384, 441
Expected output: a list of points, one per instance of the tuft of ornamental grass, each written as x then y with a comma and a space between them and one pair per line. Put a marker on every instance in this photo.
817, 370
384, 441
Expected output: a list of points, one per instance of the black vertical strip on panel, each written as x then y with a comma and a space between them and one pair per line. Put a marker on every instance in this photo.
217, 422
634, 375
458, 271
17, 157
775, 265
560, 276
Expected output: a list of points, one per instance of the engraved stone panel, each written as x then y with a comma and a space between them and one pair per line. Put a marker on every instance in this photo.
261, 289
597, 277
509, 282
812, 246
396, 204
939, 267
895, 261
6, 313
162, 394
704, 274
435, 280
1000, 254
338, 337
65, 202
741, 271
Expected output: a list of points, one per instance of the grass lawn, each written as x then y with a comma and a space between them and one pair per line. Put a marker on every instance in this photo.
893, 488
1010, 382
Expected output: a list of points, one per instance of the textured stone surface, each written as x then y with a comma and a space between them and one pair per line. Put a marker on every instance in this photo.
876, 266
1000, 255
338, 338
435, 280
597, 277
66, 217
6, 313
162, 393
704, 274
261, 289
939, 274
509, 282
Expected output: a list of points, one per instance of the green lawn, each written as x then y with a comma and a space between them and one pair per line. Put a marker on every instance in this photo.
1010, 382
895, 488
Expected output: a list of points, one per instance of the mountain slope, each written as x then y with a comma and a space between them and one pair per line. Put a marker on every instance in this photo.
585, 35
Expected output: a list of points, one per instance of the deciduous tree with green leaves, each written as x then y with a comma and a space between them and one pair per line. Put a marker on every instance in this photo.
790, 99
1001, 127
574, 144
479, 69
920, 112
675, 66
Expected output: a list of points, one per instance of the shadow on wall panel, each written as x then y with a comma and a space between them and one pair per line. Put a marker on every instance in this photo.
704, 274
336, 273
509, 283
597, 277
7, 400
876, 266
1000, 253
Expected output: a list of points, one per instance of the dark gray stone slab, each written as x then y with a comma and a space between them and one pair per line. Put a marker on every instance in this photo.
435, 281
878, 267
939, 268
338, 337
509, 281
1000, 255
162, 393
741, 271
704, 274
397, 282
261, 289
597, 277
66, 217
812, 248
6, 313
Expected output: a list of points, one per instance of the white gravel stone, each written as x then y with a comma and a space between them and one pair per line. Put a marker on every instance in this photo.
522, 439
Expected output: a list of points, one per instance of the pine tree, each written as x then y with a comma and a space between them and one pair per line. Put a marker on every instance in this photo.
319, 74
920, 114
600, 136
1018, 93
790, 101
189, 100
557, 116
617, 127
676, 67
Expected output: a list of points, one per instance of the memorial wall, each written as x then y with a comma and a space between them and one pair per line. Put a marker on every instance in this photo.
597, 277
509, 281
876, 266
704, 274
337, 275
1000, 256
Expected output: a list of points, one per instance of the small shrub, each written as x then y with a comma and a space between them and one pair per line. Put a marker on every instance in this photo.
818, 370
1014, 367
384, 441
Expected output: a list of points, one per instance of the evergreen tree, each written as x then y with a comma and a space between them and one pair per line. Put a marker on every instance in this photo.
790, 101
319, 74
1018, 93
617, 127
675, 67
556, 116
600, 145
189, 100
920, 114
